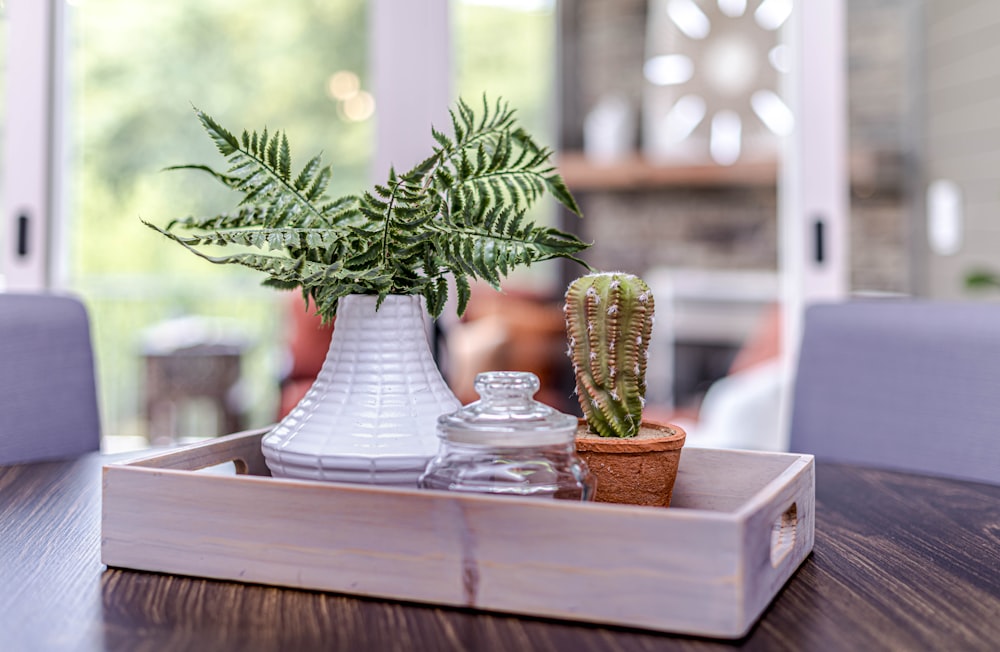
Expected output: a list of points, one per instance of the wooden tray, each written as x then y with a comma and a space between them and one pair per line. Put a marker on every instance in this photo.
740, 524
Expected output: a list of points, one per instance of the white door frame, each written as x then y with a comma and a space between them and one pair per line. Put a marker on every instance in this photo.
814, 207
33, 143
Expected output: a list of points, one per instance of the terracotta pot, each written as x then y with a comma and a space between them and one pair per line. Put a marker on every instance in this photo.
636, 470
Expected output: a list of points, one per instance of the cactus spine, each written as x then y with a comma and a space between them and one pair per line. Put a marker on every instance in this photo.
609, 318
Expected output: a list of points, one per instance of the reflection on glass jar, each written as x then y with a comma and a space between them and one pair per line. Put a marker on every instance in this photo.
507, 443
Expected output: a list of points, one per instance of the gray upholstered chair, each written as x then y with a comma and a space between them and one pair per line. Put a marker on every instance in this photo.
48, 397
901, 384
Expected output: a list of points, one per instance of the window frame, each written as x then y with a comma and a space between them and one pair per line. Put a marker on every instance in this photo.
34, 144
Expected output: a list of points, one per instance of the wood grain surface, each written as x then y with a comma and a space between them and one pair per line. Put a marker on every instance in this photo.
900, 562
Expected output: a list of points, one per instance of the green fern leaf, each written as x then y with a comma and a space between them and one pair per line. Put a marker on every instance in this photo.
459, 212
284, 158
441, 139
463, 292
224, 141
557, 187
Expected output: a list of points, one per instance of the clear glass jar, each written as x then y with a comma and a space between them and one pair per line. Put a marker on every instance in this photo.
508, 443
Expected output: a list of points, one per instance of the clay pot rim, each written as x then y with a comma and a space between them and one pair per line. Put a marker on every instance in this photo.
672, 440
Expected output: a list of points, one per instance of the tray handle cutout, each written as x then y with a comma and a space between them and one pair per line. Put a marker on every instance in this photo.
783, 532
235, 466
237, 454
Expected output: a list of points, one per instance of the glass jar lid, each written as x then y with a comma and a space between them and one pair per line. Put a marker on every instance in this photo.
507, 415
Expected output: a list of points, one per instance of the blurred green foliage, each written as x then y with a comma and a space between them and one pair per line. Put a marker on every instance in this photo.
139, 67
136, 70
982, 279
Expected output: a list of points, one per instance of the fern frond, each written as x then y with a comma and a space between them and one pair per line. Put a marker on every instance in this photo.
260, 168
274, 238
458, 213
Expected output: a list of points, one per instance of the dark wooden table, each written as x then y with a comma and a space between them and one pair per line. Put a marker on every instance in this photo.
900, 562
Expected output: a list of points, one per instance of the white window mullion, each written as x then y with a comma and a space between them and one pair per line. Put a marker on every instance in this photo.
814, 199
30, 142
410, 45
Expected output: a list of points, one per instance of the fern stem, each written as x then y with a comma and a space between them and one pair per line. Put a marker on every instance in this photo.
391, 203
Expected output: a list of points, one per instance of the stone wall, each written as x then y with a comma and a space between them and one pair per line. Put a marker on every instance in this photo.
722, 228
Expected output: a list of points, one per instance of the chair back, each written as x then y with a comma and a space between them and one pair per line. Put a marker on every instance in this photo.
48, 393
901, 384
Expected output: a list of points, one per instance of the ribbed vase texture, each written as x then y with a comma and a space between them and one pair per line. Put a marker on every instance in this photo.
371, 416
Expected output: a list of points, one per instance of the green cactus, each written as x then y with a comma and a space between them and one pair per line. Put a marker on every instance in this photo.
609, 318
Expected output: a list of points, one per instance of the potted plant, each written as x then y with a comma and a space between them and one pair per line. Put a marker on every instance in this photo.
376, 261
609, 320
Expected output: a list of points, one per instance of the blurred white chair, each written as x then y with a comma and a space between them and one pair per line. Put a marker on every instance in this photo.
742, 410
903, 384
702, 307
48, 395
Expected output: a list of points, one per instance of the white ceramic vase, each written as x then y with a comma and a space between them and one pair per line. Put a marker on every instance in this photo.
371, 415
